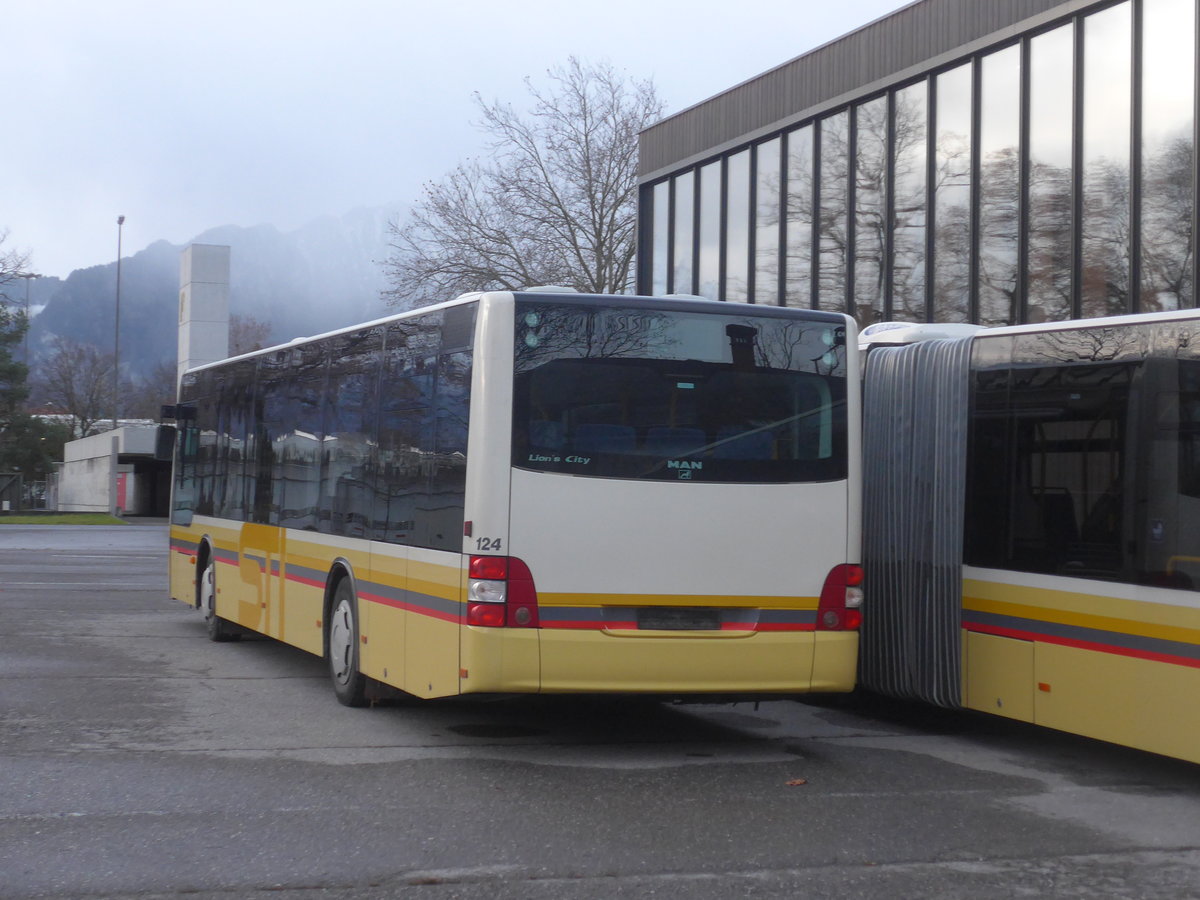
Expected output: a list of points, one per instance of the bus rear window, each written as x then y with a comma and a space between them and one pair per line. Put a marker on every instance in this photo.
680, 396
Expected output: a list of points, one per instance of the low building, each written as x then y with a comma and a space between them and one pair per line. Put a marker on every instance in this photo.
143, 483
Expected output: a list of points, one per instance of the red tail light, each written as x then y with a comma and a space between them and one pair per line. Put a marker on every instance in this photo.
840, 608
494, 568
501, 593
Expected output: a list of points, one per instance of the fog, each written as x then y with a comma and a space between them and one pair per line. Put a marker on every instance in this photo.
187, 116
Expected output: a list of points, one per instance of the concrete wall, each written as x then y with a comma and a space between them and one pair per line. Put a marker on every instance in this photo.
85, 478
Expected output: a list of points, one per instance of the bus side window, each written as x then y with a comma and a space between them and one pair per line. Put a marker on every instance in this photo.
347, 451
443, 507
185, 474
405, 442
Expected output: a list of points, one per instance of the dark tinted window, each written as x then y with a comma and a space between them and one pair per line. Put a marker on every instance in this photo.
641, 393
362, 434
1049, 449
405, 427
423, 412
193, 389
1084, 454
236, 399
272, 427
208, 483
351, 406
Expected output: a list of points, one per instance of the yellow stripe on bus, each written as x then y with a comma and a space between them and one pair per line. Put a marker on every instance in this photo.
1147, 619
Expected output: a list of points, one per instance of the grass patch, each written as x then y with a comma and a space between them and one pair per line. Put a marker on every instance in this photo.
60, 519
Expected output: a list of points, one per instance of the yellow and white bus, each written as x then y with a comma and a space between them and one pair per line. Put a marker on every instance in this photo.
535, 492
1033, 548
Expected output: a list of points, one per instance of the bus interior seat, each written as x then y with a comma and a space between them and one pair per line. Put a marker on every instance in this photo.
735, 443
1045, 530
664, 440
545, 434
599, 438
1058, 514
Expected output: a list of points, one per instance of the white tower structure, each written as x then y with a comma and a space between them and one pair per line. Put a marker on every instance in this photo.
203, 306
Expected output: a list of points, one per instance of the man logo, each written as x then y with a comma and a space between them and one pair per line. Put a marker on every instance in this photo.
684, 467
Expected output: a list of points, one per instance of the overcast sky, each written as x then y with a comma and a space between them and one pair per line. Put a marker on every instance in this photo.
185, 116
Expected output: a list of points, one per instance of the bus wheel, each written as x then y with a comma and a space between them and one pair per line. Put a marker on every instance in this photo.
349, 684
218, 629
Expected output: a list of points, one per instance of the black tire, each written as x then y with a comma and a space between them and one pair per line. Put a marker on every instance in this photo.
349, 684
219, 629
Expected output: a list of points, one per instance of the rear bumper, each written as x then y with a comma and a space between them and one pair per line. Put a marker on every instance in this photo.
589, 661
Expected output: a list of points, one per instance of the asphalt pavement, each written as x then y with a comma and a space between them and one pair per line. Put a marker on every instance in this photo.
139, 760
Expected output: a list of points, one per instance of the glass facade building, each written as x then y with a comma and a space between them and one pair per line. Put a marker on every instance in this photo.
1002, 162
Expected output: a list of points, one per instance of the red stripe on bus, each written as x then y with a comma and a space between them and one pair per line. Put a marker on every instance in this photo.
300, 579
1094, 646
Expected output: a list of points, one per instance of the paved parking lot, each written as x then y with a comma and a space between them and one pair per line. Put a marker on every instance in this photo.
139, 760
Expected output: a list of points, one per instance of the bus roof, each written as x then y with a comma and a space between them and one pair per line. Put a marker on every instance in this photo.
895, 333
681, 304
1099, 322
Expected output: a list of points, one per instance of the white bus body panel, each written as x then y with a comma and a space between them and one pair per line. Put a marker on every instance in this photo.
608, 537
607, 542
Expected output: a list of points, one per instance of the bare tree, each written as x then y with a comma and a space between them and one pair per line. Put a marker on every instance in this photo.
144, 397
77, 381
13, 387
12, 264
247, 334
555, 204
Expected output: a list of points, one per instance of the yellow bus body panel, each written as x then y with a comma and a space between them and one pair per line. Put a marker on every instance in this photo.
1139, 703
383, 617
835, 661
431, 641
998, 678
500, 660
411, 610
1087, 663
181, 568
299, 620
668, 662
260, 550
227, 576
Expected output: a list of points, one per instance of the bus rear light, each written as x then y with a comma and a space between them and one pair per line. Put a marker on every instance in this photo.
501, 593
840, 607
490, 615
492, 568
487, 591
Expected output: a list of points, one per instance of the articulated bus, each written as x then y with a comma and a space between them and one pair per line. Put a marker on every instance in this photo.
535, 492
1032, 524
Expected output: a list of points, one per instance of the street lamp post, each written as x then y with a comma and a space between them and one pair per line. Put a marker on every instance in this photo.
28, 276
117, 331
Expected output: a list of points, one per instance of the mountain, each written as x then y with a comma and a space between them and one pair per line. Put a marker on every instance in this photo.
323, 276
